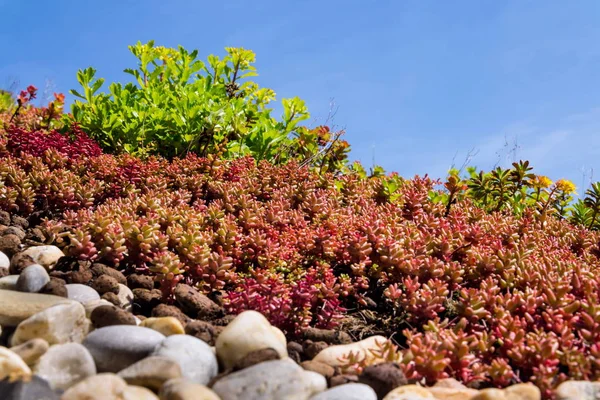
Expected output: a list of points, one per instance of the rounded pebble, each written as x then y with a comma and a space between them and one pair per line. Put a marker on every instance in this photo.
181, 389
81, 293
349, 391
166, 325
4, 261
61, 323
97, 387
249, 331
16, 307
64, 365
196, 358
31, 350
12, 367
117, 347
276, 379
151, 372
32, 279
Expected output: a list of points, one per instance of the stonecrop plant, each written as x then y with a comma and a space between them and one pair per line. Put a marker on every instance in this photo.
178, 104
492, 278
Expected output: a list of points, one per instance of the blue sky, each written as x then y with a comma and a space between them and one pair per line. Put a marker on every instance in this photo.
417, 84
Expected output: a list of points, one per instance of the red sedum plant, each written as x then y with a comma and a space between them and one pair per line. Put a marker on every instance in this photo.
490, 297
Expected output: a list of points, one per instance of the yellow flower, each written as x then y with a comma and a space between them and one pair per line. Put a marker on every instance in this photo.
541, 182
565, 186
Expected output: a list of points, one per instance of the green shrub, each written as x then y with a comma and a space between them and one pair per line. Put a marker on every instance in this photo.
178, 104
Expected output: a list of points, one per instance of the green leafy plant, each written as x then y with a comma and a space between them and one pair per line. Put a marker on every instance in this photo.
178, 104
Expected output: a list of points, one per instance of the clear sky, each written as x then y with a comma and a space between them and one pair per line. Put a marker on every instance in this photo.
416, 83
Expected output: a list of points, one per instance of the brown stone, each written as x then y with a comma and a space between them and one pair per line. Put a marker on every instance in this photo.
320, 368
164, 310
56, 286
224, 321
36, 235
135, 281
295, 351
73, 270
329, 336
383, 378
105, 284
9, 244
202, 330
15, 230
195, 303
311, 349
256, 357
19, 221
110, 315
112, 298
99, 269
19, 262
342, 380
145, 300
4, 218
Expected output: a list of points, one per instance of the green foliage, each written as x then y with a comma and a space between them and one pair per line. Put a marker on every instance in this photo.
7, 102
179, 104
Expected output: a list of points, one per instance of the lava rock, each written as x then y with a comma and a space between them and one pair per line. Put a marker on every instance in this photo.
32, 279
4, 218
56, 287
202, 330
110, 315
112, 298
9, 244
15, 230
383, 378
101, 269
144, 301
320, 368
329, 336
19, 221
343, 379
311, 349
195, 303
164, 310
136, 281
295, 351
105, 284
117, 347
256, 357
73, 270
